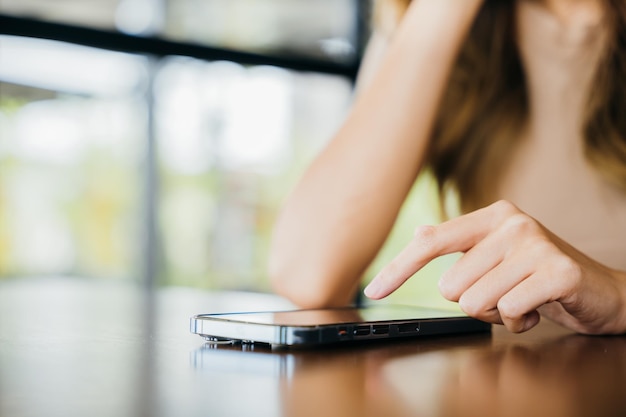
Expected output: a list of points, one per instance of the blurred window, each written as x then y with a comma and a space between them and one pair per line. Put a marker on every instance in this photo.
232, 139
76, 125
71, 125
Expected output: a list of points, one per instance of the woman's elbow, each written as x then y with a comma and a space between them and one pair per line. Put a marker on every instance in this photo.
305, 286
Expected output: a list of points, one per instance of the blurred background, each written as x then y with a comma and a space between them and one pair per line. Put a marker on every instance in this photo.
155, 139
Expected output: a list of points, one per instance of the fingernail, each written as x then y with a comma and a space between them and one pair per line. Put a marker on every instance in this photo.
373, 289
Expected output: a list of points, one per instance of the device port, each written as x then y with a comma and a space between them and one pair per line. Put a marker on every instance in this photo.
362, 330
409, 328
380, 329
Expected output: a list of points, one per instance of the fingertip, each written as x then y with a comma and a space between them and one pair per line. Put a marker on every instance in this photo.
446, 289
524, 324
373, 290
443, 288
530, 320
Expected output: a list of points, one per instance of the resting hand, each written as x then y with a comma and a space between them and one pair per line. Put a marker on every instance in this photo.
512, 270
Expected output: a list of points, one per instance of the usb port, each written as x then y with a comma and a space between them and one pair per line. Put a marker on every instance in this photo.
362, 330
380, 329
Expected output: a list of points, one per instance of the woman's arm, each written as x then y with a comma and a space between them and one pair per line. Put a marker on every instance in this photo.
342, 210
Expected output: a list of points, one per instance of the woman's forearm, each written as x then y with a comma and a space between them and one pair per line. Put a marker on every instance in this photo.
342, 210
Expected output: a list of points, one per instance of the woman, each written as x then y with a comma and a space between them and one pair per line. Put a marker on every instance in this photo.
517, 106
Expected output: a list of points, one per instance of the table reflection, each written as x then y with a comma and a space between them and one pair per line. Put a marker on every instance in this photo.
566, 376
344, 381
569, 376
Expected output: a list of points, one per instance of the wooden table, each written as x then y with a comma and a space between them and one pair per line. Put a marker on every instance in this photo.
75, 347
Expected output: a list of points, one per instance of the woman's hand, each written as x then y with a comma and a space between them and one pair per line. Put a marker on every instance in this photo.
512, 270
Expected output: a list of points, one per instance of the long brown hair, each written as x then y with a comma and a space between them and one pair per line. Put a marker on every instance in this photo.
485, 106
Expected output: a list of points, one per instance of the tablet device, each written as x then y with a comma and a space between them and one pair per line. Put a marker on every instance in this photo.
335, 325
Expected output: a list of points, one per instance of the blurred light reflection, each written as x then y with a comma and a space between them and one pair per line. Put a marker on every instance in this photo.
222, 113
69, 68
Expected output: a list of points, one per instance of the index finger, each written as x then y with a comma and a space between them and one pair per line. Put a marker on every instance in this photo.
429, 242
